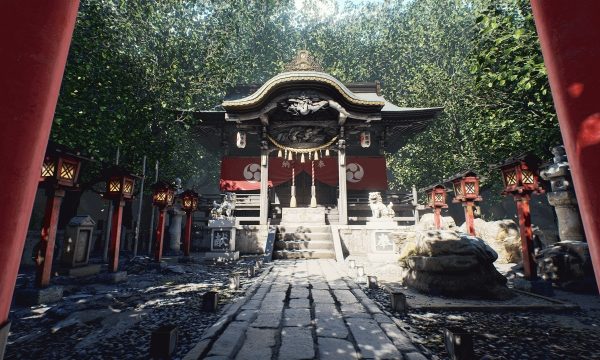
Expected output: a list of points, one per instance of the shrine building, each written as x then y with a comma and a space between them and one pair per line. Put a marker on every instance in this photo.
305, 145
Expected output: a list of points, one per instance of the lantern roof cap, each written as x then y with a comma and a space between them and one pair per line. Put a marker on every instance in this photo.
529, 158
434, 186
54, 148
461, 175
190, 191
117, 170
162, 184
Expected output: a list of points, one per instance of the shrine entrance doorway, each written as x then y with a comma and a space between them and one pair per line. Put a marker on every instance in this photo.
326, 195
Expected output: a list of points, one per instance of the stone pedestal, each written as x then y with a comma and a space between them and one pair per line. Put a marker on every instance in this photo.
82, 271
307, 216
567, 213
30, 297
382, 247
175, 220
222, 240
113, 277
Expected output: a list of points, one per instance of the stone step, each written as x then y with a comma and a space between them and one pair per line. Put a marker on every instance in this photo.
304, 254
303, 245
304, 236
302, 227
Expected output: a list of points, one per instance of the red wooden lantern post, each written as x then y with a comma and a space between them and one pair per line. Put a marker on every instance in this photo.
466, 191
520, 179
60, 171
162, 198
119, 188
436, 199
189, 204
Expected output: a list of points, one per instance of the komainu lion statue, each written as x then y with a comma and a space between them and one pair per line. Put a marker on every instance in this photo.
378, 209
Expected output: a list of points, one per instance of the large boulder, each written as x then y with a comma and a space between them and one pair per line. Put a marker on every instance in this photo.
567, 264
443, 262
426, 223
503, 236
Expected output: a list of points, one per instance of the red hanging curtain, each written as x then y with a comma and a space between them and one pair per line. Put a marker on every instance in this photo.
366, 173
240, 173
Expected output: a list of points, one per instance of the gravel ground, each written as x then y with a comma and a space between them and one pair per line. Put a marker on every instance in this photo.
510, 335
97, 321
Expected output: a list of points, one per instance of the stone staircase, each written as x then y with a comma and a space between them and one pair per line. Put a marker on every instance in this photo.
303, 234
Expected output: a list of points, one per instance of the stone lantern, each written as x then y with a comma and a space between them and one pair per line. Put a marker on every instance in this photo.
520, 178
189, 204
436, 199
466, 192
162, 197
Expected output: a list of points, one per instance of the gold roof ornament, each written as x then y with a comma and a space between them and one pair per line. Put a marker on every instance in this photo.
304, 61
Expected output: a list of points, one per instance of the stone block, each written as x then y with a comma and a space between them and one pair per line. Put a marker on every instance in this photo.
414, 356
247, 315
252, 305
371, 340
336, 349
198, 350
299, 303
230, 341
82, 271
296, 344
258, 345
322, 296
331, 326
355, 311
459, 344
30, 297
399, 338
113, 278
299, 293
296, 317
163, 342
345, 296
267, 320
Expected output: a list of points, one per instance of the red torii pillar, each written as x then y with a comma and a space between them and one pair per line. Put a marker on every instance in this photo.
569, 35
34, 43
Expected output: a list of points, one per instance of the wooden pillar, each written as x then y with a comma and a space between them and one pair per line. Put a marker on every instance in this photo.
34, 43
115, 235
437, 217
529, 267
343, 196
469, 217
264, 186
45, 251
187, 240
160, 234
569, 37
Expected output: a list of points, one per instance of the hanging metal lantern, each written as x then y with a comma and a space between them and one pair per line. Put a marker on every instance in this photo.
240, 140
365, 139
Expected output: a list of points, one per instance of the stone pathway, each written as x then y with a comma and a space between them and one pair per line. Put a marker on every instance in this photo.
305, 309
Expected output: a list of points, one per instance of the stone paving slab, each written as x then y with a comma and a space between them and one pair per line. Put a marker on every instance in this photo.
230, 341
296, 317
336, 349
300, 303
296, 344
258, 345
371, 340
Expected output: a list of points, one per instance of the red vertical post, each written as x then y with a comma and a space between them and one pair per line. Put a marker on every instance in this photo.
437, 217
34, 43
187, 240
45, 252
115, 235
529, 266
469, 217
160, 233
569, 37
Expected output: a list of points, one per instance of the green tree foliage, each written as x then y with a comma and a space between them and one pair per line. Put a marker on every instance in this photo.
136, 66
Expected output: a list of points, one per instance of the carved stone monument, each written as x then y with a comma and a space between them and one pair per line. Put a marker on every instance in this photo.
176, 214
223, 231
